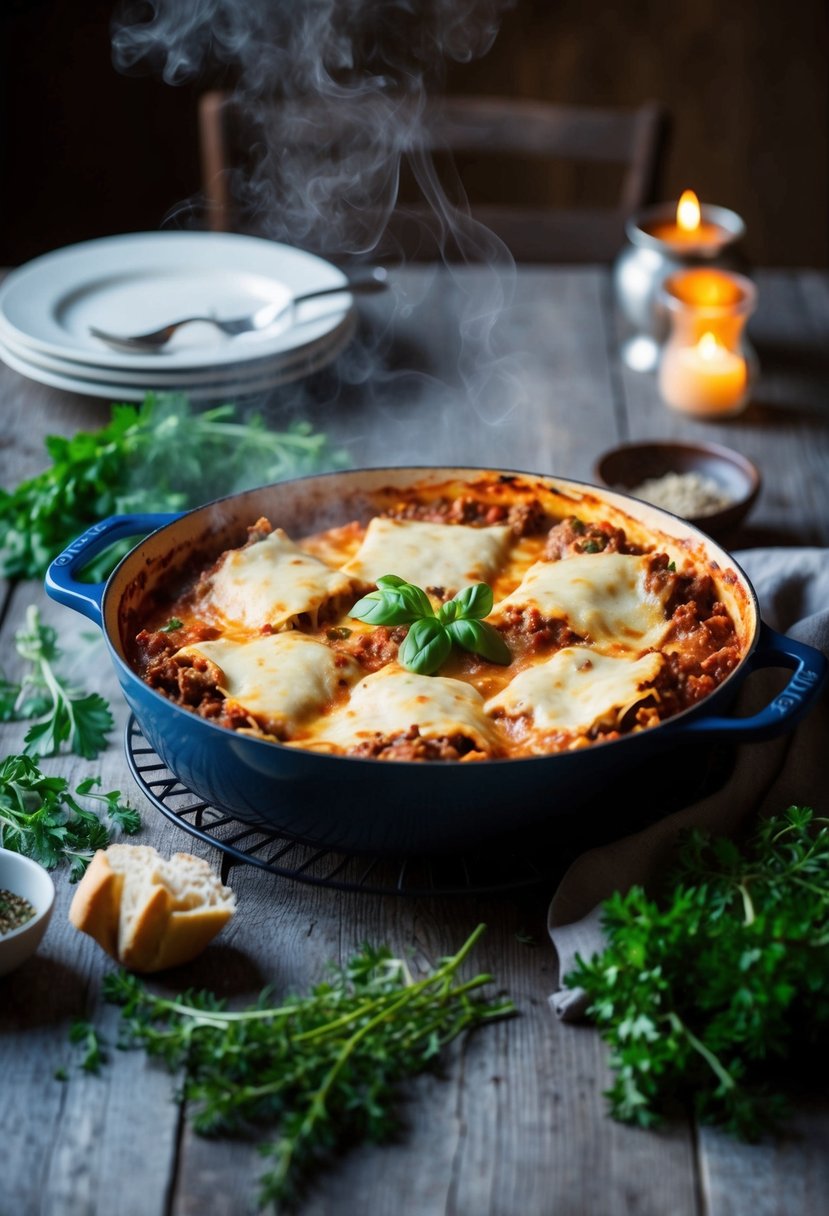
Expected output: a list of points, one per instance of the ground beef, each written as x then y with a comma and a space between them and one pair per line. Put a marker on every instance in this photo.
189, 680
573, 535
526, 630
522, 518
411, 746
374, 650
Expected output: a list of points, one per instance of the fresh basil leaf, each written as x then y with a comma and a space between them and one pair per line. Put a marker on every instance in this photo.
391, 580
448, 612
172, 624
386, 607
480, 638
426, 646
417, 598
475, 602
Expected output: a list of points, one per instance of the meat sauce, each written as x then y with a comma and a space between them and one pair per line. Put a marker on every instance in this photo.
701, 646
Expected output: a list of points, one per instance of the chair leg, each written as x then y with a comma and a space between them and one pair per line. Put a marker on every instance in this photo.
213, 152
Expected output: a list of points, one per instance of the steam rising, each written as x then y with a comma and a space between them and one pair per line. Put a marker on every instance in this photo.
351, 78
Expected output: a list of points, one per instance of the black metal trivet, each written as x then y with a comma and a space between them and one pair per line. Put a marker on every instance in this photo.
505, 864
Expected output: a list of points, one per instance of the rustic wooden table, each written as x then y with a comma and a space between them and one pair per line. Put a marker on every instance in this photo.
520, 372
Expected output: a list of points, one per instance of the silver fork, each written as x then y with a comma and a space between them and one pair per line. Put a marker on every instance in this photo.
262, 318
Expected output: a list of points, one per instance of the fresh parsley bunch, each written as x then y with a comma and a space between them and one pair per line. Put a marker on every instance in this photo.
162, 455
705, 994
62, 713
43, 818
431, 634
323, 1068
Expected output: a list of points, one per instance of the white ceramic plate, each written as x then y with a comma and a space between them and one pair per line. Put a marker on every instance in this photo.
304, 364
140, 281
182, 380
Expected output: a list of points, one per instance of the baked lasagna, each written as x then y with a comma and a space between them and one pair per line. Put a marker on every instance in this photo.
609, 628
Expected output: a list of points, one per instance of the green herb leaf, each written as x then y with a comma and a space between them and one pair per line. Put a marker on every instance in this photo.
195, 454
429, 640
94, 1056
707, 992
385, 607
43, 818
173, 624
426, 646
322, 1069
63, 713
474, 602
480, 638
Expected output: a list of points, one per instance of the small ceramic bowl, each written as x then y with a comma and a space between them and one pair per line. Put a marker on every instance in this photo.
28, 879
630, 465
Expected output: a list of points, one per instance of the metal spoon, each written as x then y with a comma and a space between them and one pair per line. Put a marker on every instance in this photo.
264, 317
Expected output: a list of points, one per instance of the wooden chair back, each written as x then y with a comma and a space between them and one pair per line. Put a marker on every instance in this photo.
466, 131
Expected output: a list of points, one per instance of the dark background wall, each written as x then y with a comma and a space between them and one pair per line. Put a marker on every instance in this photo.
87, 152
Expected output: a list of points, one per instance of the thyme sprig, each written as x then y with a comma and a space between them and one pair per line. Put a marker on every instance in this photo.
323, 1069
707, 993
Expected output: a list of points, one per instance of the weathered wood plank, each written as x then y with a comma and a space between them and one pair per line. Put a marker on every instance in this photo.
517, 1123
72, 1146
512, 369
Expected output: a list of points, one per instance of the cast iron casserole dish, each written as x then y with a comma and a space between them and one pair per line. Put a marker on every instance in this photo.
365, 805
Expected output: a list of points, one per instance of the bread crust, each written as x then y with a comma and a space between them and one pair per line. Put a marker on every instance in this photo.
95, 905
147, 912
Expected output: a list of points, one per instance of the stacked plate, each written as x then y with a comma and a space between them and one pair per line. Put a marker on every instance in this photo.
140, 281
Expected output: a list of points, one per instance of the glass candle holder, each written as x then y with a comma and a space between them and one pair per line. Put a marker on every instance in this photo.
707, 366
658, 247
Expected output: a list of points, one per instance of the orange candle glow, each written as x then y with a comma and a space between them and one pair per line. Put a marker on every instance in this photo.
689, 227
707, 378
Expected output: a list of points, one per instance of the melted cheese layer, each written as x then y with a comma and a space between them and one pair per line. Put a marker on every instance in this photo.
393, 699
281, 678
272, 582
601, 596
431, 555
577, 689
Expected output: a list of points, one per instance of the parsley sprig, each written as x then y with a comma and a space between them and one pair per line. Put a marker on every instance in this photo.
192, 455
431, 634
43, 818
62, 713
702, 992
323, 1069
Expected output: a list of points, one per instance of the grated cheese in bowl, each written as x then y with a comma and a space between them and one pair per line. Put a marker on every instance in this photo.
690, 495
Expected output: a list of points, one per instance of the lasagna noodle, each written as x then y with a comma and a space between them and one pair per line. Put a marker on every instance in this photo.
451, 556
602, 597
577, 689
280, 679
273, 582
392, 700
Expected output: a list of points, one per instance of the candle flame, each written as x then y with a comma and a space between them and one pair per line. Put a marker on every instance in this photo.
688, 211
708, 346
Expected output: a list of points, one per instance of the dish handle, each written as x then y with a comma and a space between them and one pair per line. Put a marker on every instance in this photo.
809, 671
87, 598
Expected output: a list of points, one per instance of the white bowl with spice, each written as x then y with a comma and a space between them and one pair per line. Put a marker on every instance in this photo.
710, 485
27, 896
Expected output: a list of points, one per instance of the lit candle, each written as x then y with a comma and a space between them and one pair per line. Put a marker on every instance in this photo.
663, 239
707, 378
690, 227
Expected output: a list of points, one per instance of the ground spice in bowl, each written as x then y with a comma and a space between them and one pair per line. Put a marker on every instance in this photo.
688, 494
14, 911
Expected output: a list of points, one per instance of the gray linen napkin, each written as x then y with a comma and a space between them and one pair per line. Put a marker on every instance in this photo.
792, 586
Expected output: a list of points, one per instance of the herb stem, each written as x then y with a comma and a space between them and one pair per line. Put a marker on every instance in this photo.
725, 1078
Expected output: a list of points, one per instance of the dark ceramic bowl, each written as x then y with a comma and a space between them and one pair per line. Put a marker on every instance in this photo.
626, 467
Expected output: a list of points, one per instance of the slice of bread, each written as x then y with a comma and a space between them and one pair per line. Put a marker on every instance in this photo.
147, 911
